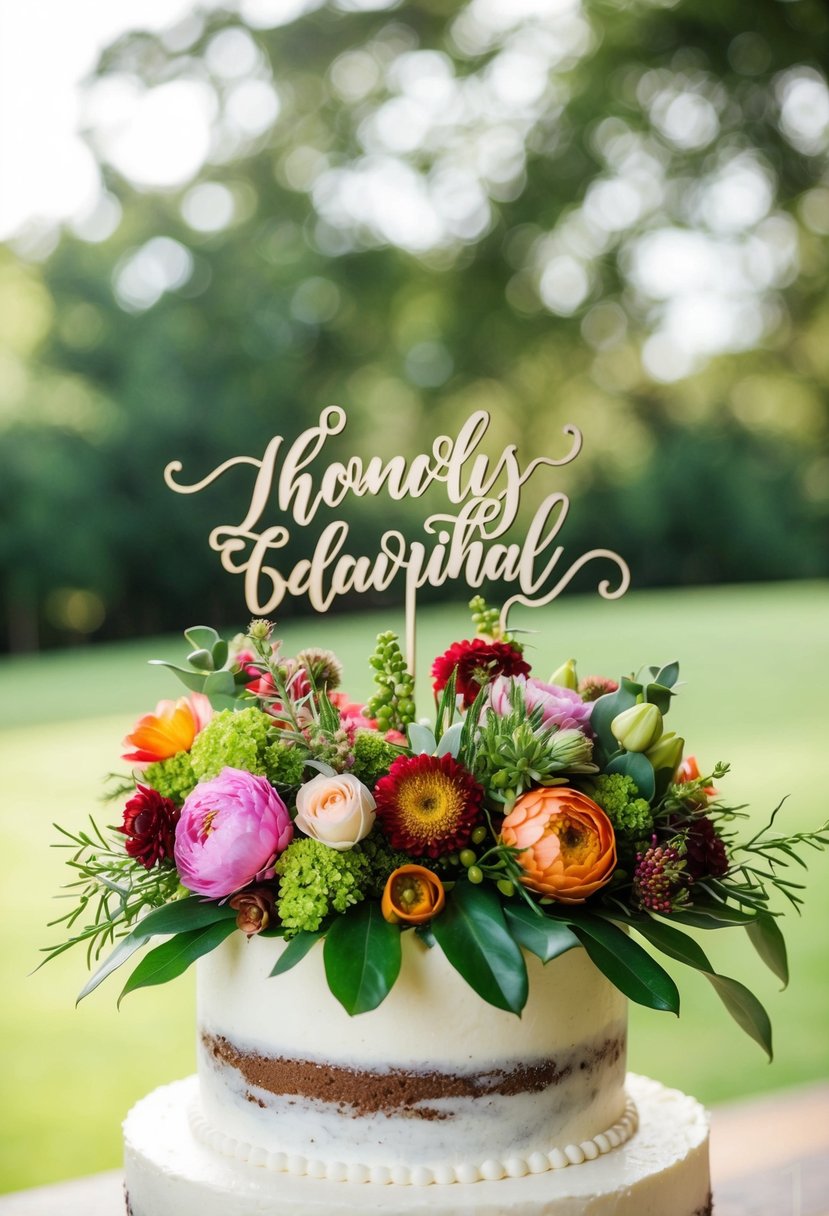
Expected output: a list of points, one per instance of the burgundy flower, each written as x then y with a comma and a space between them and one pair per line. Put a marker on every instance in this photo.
661, 879
150, 827
478, 662
705, 850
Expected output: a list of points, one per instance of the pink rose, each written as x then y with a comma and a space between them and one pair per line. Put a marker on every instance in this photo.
230, 832
561, 707
338, 811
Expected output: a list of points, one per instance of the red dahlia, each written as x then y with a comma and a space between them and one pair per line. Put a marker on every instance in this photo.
477, 662
428, 805
150, 827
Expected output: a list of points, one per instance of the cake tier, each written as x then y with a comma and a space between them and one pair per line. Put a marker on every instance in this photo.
661, 1171
434, 1079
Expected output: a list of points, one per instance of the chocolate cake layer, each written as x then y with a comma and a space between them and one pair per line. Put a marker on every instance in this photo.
396, 1090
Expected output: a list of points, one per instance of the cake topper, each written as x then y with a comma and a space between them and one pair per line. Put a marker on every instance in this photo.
468, 541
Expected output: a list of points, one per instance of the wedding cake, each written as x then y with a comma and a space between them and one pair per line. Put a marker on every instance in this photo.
416, 939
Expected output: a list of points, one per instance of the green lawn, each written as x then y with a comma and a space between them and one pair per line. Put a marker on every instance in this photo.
755, 661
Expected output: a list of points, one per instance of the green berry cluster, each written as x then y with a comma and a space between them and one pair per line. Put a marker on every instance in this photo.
393, 704
487, 621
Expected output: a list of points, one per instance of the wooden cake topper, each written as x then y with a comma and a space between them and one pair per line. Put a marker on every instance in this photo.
467, 542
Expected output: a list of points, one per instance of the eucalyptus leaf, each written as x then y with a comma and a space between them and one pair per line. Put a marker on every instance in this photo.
542, 936
219, 683
219, 653
202, 637
362, 958
765, 935
296, 949
450, 740
473, 934
605, 709
656, 694
321, 767
194, 680
667, 676
421, 739
202, 659
173, 957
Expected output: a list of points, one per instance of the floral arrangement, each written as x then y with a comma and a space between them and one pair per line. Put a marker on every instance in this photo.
530, 816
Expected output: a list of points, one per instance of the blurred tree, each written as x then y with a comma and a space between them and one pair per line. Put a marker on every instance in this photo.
601, 212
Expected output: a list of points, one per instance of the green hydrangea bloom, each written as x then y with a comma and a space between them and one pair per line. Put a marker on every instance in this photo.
618, 796
232, 739
373, 757
172, 778
284, 764
316, 880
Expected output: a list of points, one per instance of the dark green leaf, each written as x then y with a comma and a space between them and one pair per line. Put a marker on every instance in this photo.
625, 963
745, 1009
740, 1003
172, 958
190, 913
640, 770
123, 950
542, 936
296, 949
767, 939
424, 932
473, 934
711, 916
362, 958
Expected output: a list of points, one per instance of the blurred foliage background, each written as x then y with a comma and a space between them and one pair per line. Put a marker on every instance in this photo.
610, 212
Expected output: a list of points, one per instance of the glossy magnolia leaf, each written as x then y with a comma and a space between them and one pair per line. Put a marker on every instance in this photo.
542, 936
202, 637
626, 964
362, 958
177, 917
765, 935
172, 958
640, 770
472, 933
745, 1009
296, 949
740, 1003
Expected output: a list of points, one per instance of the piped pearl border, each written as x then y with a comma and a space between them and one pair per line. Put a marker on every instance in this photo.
418, 1175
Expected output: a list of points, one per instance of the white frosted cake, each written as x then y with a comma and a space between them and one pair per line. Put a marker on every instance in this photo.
434, 1101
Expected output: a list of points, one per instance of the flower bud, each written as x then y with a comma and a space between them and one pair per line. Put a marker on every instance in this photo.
565, 676
637, 728
667, 752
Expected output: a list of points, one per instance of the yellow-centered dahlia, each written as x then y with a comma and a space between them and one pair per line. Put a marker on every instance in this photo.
428, 805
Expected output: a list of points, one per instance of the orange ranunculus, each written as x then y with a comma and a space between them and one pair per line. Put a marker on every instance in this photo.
566, 842
412, 896
170, 730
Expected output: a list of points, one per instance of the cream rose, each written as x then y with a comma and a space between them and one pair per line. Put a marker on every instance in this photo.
338, 811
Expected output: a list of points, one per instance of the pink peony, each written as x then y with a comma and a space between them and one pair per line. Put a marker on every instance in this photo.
560, 707
230, 832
